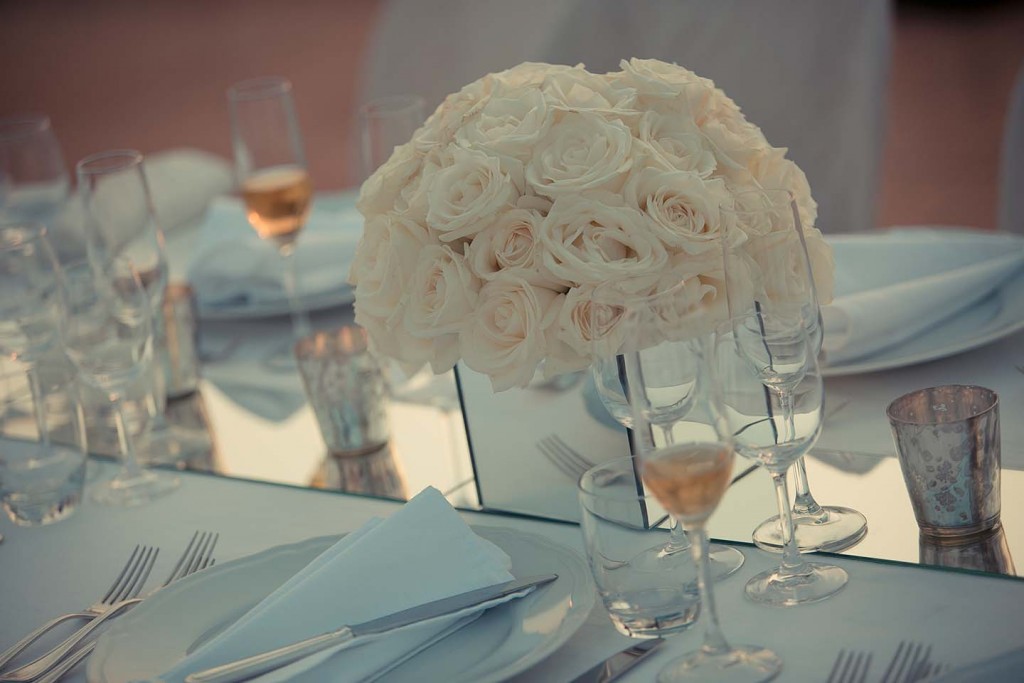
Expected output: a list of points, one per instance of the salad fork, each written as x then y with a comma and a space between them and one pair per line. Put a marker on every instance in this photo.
127, 585
850, 667
197, 555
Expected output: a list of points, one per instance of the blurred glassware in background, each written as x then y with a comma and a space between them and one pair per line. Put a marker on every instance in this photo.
374, 474
386, 123
346, 388
42, 464
34, 182
107, 331
273, 177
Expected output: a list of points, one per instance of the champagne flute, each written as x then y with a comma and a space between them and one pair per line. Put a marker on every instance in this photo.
775, 270
120, 222
774, 423
30, 306
688, 476
34, 181
108, 335
610, 381
270, 163
386, 123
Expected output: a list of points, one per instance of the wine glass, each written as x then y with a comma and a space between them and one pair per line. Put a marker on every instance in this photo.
610, 381
270, 163
688, 475
120, 222
773, 397
776, 264
34, 181
107, 332
386, 123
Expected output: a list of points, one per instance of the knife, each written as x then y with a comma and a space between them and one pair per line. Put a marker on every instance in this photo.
275, 659
619, 663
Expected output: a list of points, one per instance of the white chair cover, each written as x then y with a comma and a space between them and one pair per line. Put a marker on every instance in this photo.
812, 74
1011, 190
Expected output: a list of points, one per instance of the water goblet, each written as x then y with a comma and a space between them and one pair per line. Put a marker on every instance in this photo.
774, 423
107, 330
689, 477
775, 270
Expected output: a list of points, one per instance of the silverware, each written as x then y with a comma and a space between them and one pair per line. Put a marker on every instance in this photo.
563, 456
282, 656
197, 555
126, 585
850, 667
908, 664
619, 663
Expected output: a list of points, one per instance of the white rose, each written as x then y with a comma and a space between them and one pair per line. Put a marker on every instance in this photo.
654, 78
589, 240
511, 245
584, 326
510, 124
439, 129
703, 300
381, 190
676, 142
394, 341
581, 152
772, 170
385, 256
464, 198
574, 88
506, 336
735, 141
683, 208
782, 262
527, 73
823, 264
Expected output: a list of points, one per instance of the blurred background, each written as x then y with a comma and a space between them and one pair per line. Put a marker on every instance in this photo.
152, 75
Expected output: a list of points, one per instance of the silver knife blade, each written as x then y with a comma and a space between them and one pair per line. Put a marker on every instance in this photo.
275, 659
619, 663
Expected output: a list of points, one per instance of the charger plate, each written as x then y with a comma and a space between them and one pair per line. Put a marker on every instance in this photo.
504, 641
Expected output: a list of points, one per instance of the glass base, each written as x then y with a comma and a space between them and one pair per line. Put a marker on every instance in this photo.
840, 528
172, 445
137, 490
724, 561
819, 582
741, 664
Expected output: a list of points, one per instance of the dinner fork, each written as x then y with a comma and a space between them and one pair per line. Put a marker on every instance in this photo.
850, 667
197, 555
126, 585
563, 456
910, 663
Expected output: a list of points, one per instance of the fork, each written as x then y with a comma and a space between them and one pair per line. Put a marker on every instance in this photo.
910, 663
127, 585
197, 555
850, 667
563, 456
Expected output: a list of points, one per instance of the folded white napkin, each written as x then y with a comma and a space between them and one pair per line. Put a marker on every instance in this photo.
231, 266
892, 286
421, 553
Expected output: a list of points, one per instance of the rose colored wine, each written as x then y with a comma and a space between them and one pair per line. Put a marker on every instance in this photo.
277, 201
689, 479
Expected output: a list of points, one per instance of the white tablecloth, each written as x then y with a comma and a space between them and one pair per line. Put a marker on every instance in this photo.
50, 570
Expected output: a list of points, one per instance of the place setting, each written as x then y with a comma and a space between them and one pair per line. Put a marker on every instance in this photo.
644, 320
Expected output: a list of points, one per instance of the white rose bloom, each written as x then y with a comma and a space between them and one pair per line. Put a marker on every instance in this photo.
381, 190
505, 338
512, 245
783, 265
384, 258
772, 170
441, 126
683, 208
676, 143
464, 198
527, 73
576, 89
395, 341
589, 240
510, 124
735, 141
581, 152
654, 78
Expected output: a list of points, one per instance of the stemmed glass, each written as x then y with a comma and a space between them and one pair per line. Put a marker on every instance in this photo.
690, 473
777, 265
108, 335
610, 381
270, 163
386, 123
120, 222
773, 397
34, 181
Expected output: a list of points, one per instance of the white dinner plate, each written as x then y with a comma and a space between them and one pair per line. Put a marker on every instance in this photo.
998, 315
267, 309
504, 641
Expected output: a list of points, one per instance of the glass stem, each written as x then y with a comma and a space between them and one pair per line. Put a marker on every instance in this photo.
792, 561
130, 468
300, 320
804, 504
39, 407
714, 639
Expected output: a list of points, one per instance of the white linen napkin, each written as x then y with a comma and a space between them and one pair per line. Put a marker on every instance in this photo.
892, 286
232, 266
421, 553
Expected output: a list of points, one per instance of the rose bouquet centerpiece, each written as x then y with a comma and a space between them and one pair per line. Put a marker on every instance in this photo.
487, 233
